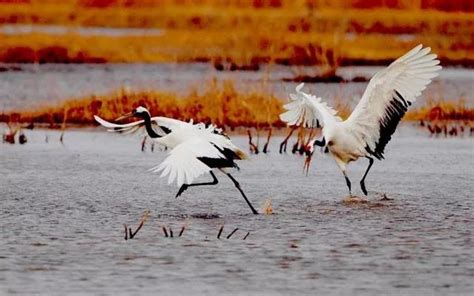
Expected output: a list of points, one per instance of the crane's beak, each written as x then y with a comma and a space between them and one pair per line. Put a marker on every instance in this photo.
126, 115
307, 163
307, 160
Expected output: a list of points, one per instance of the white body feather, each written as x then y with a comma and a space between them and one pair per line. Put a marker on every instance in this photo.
371, 124
188, 142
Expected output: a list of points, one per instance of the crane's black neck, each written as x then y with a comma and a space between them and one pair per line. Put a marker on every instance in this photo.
149, 129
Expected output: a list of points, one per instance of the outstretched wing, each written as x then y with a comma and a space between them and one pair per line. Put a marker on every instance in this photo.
387, 98
183, 164
161, 125
307, 110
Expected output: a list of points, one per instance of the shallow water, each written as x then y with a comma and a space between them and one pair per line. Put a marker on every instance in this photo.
49, 84
63, 207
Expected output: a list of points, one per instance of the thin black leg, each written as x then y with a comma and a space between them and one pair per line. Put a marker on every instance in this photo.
348, 182
295, 147
237, 185
185, 186
285, 141
362, 182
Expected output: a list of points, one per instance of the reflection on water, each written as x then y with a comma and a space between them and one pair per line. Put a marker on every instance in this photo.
63, 207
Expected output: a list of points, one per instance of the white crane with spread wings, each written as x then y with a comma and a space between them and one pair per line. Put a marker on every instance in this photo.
196, 148
373, 121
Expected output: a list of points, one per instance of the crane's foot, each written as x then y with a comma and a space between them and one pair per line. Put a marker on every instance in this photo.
352, 199
385, 198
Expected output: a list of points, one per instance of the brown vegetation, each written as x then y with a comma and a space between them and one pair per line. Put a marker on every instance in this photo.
220, 104
241, 35
443, 111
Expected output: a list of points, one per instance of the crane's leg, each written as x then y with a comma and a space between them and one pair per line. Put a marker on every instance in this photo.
237, 185
362, 182
348, 182
185, 186
285, 141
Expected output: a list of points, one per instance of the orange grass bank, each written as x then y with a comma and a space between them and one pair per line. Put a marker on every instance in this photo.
290, 34
294, 16
241, 47
220, 104
442, 110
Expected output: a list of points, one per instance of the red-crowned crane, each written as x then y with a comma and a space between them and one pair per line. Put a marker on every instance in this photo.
373, 121
196, 149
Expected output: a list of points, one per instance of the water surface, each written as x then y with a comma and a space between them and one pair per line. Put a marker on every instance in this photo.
62, 208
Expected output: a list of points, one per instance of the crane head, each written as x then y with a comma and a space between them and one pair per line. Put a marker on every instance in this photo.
140, 111
309, 150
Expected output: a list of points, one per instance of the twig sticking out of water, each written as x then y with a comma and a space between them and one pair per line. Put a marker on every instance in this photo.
232, 233
131, 234
126, 231
253, 147
63, 126
165, 231
168, 232
182, 231
220, 231
265, 147
61, 138
448, 128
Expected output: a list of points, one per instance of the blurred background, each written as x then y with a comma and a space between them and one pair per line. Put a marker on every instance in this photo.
192, 58
244, 32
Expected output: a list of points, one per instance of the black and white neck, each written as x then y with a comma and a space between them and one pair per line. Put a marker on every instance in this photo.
149, 129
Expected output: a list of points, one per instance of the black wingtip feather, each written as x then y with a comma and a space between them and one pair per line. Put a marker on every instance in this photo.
226, 162
394, 112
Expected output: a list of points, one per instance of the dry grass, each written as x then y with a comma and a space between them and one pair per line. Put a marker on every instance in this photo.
291, 33
240, 47
220, 104
441, 110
